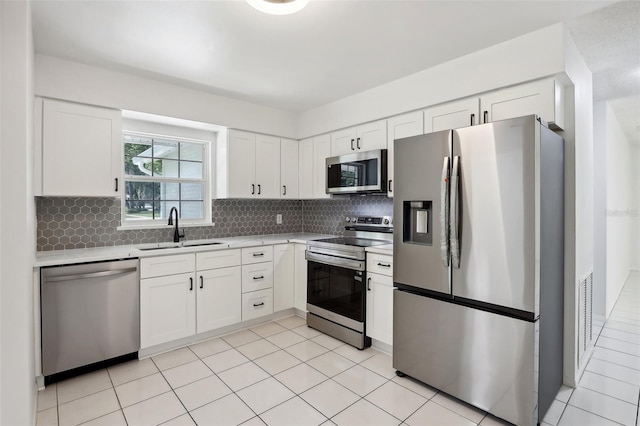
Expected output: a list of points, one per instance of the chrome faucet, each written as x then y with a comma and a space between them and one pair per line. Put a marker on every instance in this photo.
176, 233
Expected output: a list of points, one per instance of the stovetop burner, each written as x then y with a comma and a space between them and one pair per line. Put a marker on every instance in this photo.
354, 241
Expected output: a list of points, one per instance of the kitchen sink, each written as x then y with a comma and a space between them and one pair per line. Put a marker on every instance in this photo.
157, 248
202, 244
183, 245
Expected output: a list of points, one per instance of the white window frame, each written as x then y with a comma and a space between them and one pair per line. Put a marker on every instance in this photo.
206, 181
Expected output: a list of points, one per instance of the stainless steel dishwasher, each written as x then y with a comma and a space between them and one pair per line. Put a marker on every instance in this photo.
90, 316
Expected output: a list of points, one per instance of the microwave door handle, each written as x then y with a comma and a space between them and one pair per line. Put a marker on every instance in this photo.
444, 213
453, 221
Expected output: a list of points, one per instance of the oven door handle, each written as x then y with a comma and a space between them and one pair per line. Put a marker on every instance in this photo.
356, 265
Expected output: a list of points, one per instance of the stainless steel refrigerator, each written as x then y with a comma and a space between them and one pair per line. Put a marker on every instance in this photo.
479, 265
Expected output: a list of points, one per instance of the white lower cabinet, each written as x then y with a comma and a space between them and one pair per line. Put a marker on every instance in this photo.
257, 304
283, 277
380, 297
167, 309
218, 298
300, 288
178, 305
257, 282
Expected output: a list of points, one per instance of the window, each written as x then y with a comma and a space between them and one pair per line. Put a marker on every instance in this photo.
162, 172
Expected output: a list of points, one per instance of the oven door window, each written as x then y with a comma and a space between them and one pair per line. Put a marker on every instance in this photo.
359, 173
335, 289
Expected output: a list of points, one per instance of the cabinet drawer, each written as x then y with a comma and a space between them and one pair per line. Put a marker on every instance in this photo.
167, 265
257, 276
217, 259
380, 264
257, 254
257, 304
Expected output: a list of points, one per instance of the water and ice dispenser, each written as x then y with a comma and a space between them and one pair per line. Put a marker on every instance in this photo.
418, 222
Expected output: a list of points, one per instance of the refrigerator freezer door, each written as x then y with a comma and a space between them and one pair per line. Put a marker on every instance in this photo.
485, 359
419, 163
496, 213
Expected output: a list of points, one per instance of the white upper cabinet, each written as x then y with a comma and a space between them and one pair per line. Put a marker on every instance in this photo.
398, 127
267, 166
305, 168
288, 168
242, 164
361, 138
253, 165
321, 150
312, 165
543, 97
80, 151
452, 115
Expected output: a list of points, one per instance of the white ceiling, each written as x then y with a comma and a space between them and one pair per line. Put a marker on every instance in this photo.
330, 50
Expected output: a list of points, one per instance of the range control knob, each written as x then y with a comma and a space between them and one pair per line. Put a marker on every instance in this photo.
354, 220
385, 221
347, 219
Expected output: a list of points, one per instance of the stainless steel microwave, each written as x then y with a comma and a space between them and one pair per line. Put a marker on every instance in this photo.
358, 173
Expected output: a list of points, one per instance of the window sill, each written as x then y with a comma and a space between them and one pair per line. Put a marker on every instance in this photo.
181, 225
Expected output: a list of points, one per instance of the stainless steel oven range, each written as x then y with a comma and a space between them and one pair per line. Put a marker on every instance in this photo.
336, 278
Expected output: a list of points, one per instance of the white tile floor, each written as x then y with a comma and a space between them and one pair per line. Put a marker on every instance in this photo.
284, 373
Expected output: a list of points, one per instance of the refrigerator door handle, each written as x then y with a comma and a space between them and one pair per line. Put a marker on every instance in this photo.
444, 213
453, 220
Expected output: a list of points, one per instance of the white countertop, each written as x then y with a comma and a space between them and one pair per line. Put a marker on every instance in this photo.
65, 257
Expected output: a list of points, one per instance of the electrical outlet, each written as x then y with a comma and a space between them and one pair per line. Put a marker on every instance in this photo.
278, 219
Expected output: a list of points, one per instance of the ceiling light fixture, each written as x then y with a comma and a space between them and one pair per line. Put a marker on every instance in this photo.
278, 7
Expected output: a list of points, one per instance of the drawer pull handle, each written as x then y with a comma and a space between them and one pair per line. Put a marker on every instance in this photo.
255, 305
258, 254
261, 277
384, 265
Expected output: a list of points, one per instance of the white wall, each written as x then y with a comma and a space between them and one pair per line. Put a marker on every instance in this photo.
61, 79
599, 211
635, 207
578, 196
17, 246
528, 57
622, 205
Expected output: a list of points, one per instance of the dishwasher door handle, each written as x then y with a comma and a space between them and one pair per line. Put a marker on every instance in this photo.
100, 274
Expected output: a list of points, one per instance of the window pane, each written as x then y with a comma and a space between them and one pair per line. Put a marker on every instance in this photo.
164, 207
165, 149
135, 157
170, 191
191, 151
139, 200
192, 210
192, 191
190, 170
165, 168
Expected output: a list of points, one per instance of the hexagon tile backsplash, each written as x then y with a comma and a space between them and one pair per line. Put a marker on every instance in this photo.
71, 223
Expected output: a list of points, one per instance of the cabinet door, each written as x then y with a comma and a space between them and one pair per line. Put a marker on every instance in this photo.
401, 126
219, 300
452, 115
283, 276
300, 289
81, 150
321, 150
167, 309
372, 136
543, 97
305, 169
380, 308
242, 164
267, 166
343, 142
288, 169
